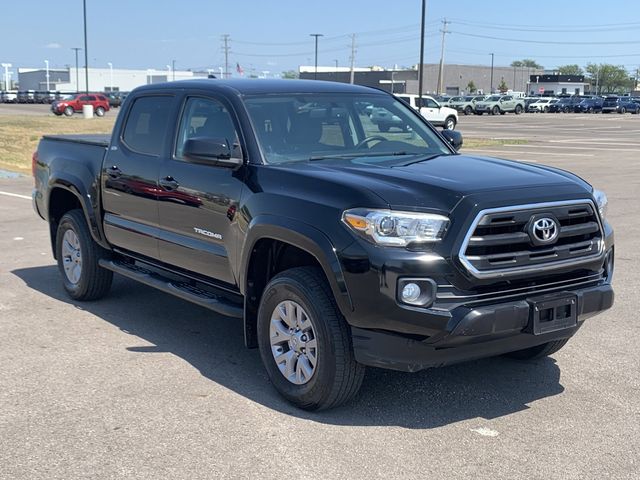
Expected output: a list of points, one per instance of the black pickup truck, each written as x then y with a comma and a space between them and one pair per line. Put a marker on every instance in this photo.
335, 244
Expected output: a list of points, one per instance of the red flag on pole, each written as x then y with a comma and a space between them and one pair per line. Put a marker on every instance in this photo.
239, 69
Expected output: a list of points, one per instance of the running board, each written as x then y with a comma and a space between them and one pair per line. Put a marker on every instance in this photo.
183, 290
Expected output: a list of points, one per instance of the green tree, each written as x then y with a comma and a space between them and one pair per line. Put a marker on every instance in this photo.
471, 87
527, 62
570, 70
290, 74
503, 87
609, 78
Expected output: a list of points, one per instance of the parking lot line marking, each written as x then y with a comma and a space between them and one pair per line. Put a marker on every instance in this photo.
521, 152
17, 195
565, 147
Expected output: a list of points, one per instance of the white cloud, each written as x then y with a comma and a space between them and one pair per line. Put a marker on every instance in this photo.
53, 45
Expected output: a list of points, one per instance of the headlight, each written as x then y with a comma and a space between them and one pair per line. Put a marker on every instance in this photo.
601, 200
397, 229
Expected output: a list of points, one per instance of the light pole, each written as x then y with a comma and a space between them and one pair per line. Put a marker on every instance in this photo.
77, 75
315, 71
6, 67
110, 76
46, 65
173, 69
86, 53
537, 82
168, 71
149, 76
420, 66
491, 82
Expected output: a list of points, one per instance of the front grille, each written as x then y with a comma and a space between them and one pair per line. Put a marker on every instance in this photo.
500, 241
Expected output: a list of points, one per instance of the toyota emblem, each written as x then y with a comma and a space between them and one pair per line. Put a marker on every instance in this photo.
544, 230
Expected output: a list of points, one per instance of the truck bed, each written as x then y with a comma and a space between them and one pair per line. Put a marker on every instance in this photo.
98, 139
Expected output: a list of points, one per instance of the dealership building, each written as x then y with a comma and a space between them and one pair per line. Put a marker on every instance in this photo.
455, 78
100, 79
556, 84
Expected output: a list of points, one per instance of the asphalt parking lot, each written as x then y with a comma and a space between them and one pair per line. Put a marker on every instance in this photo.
143, 385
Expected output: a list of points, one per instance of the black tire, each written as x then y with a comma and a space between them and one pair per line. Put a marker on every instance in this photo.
450, 123
383, 127
539, 351
68, 111
502, 112
518, 110
590, 110
468, 110
623, 110
94, 281
337, 376
100, 112
495, 110
546, 109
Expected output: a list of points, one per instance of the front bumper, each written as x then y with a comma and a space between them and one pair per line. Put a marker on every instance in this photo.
472, 333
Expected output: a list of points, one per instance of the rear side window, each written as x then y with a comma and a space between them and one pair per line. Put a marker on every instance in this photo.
146, 127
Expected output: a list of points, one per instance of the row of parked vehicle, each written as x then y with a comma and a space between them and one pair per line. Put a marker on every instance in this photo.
500, 104
115, 99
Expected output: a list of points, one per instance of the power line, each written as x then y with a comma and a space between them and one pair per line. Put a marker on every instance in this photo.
547, 42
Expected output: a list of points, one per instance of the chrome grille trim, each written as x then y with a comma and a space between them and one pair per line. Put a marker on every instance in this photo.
540, 266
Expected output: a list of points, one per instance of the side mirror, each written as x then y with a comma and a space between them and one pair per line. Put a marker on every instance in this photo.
211, 151
454, 138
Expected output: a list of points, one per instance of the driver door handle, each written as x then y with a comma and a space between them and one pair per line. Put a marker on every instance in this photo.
169, 183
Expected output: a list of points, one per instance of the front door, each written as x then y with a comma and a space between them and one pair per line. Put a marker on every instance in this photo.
130, 176
197, 207
431, 110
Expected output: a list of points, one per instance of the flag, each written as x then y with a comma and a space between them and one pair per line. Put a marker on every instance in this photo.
239, 69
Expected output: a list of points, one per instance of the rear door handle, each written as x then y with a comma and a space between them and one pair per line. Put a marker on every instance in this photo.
169, 183
114, 171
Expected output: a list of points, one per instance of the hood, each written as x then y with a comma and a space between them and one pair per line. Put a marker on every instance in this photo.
441, 183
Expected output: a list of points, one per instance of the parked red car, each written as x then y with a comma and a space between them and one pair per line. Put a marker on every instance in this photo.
73, 103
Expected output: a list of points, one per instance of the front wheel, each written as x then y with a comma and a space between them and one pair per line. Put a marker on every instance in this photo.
383, 127
539, 351
78, 257
623, 110
518, 109
68, 111
305, 342
450, 123
468, 110
495, 110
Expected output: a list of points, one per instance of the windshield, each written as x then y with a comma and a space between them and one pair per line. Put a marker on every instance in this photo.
457, 99
494, 98
360, 128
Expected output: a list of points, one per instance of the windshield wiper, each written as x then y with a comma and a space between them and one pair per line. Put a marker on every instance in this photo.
360, 155
422, 159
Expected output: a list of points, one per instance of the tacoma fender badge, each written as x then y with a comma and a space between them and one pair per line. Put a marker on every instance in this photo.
207, 233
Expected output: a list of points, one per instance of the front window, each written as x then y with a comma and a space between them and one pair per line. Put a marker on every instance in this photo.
364, 128
494, 98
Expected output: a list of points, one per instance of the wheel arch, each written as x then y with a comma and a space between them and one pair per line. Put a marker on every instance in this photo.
275, 244
64, 196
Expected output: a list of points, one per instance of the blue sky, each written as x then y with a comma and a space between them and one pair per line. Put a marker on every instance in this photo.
274, 35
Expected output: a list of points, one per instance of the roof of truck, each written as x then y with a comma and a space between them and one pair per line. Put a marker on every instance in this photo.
262, 86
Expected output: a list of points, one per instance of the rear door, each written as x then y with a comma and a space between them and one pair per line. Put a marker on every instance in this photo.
130, 175
198, 201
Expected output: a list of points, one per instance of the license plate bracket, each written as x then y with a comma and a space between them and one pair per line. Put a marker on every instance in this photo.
551, 313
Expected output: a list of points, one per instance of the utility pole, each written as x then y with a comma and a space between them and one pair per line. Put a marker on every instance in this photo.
173, 69
315, 70
226, 49
46, 63
441, 71
352, 58
77, 75
421, 64
86, 53
491, 87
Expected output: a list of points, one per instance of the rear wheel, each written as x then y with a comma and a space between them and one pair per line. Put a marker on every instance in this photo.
305, 342
539, 351
383, 127
100, 112
78, 257
68, 111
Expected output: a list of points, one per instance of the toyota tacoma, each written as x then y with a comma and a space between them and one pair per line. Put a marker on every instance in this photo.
335, 245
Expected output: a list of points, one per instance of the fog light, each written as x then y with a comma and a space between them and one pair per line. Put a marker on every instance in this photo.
418, 292
411, 293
